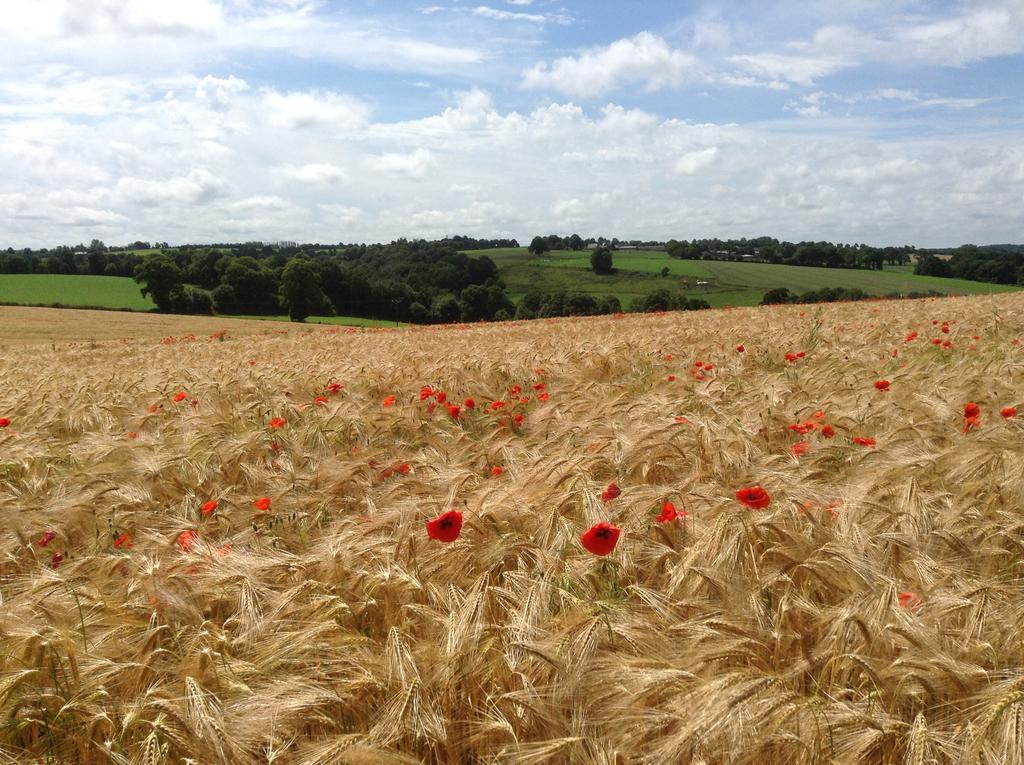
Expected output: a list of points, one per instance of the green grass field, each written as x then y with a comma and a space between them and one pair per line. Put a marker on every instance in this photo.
731, 283
118, 292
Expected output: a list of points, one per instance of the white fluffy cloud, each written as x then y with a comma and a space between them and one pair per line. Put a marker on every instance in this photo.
416, 164
472, 168
695, 161
645, 60
199, 186
315, 174
305, 109
212, 120
86, 18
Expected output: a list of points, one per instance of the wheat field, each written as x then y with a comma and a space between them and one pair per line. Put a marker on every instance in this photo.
871, 613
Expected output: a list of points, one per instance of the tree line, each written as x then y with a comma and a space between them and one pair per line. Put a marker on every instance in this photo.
767, 249
406, 281
999, 264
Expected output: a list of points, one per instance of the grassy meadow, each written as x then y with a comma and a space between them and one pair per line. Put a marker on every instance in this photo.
120, 293
211, 554
731, 283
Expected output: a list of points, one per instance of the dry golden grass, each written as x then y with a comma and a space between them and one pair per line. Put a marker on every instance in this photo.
20, 325
330, 629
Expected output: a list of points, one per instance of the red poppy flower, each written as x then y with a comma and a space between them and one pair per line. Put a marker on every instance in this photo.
131, 435
543, 396
334, 387
828, 431
518, 418
275, 446
277, 422
1008, 411
754, 497
124, 541
869, 442
320, 400
945, 328
56, 560
186, 540
454, 411
4, 422
47, 537
153, 408
909, 599
910, 337
970, 423
538, 386
426, 392
404, 468
469, 403
446, 527
882, 385
708, 367
669, 513
496, 405
698, 364
209, 507
601, 538
971, 409
262, 504
180, 396
497, 470
441, 396
611, 492
389, 400
740, 348
671, 378
936, 341
819, 415
799, 448
515, 390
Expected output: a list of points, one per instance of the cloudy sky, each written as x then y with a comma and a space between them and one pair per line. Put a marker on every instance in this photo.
878, 121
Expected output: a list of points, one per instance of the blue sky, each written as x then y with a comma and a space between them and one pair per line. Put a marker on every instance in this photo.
225, 120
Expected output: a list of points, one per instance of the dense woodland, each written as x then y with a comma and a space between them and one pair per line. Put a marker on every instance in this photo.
436, 282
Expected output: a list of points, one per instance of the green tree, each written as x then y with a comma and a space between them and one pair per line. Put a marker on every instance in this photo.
778, 295
160, 278
539, 245
300, 291
445, 308
601, 261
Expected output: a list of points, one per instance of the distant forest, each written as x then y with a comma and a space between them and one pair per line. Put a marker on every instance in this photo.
435, 281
